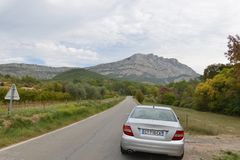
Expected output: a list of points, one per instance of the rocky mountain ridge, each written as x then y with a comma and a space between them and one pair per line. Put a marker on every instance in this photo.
147, 68
33, 70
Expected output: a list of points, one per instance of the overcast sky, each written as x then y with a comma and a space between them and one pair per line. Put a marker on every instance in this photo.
88, 32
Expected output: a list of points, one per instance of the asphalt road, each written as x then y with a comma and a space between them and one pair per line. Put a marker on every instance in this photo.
96, 138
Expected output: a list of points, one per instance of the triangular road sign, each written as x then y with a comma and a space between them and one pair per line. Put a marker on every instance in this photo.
12, 93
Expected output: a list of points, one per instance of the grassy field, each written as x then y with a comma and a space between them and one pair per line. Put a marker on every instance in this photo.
25, 123
196, 122
205, 123
228, 155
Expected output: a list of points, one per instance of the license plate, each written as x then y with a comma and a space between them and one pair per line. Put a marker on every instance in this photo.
152, 132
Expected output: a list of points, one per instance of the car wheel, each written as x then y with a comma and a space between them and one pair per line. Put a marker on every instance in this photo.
123, 151
180, 157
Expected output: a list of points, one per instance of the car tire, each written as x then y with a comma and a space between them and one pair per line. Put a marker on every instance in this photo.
123, 151
180, 157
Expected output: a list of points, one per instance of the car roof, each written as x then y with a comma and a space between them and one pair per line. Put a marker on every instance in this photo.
159, 107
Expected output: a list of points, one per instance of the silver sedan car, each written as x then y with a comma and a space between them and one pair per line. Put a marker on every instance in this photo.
153, 129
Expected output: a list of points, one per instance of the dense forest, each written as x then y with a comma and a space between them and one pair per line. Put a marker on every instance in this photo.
217, 90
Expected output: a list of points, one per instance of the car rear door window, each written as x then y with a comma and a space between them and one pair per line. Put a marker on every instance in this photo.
154, 114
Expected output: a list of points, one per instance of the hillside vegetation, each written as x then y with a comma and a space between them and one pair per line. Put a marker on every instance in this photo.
78, 75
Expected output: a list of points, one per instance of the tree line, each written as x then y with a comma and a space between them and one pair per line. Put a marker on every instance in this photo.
217, 90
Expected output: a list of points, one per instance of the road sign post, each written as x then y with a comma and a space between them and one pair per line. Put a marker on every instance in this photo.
12, 95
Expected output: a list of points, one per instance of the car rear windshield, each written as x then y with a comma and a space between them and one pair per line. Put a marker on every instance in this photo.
153, 114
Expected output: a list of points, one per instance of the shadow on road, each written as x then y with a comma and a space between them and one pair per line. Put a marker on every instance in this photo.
147, 156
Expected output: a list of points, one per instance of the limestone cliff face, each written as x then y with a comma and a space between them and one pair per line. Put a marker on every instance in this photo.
147, 68
139, 67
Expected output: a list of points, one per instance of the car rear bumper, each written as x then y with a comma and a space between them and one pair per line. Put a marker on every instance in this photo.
172, 148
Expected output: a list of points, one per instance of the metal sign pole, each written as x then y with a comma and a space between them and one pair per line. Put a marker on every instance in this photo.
11, 100
9, 109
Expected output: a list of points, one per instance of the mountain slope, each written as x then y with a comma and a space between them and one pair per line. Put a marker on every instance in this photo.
147, 68
78, 74
139, 67
37, 71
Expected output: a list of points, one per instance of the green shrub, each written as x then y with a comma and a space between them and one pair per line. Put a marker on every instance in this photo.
168, 98
228, 155
139, 96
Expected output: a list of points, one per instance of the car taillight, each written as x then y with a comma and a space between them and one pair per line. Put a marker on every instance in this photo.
178, 135
127, 130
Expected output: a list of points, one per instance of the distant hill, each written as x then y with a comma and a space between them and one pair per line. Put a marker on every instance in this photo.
36, 71
78, 74
147, 68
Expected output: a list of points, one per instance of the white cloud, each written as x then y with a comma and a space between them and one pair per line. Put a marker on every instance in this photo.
87, 32
4, 4
49, 53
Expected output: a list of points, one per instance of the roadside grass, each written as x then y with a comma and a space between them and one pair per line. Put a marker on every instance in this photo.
25, 123
227, 155
206, 123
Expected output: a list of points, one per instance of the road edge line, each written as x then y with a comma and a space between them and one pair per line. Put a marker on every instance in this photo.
57, 130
